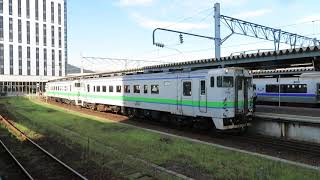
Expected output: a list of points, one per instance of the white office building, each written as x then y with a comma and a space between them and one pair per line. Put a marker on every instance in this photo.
33, 44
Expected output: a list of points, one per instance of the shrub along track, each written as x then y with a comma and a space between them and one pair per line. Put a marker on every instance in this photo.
302, 152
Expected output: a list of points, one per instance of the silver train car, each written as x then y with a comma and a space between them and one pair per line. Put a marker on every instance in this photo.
304, 89
223, 97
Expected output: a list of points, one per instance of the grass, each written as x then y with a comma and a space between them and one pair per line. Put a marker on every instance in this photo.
119, 140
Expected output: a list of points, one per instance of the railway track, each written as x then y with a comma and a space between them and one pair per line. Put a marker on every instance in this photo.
40, 164
13, 164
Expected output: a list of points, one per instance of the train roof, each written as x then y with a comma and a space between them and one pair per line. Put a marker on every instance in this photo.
129, 72
311, 74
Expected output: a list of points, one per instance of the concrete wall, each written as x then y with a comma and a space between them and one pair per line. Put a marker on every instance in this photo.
290, 130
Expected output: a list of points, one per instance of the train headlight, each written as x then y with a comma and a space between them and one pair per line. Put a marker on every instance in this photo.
226, 71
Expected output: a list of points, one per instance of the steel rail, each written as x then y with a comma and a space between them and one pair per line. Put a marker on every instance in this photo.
46, 152
16, 161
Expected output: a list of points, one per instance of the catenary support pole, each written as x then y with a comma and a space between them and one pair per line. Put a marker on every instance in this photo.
217, 36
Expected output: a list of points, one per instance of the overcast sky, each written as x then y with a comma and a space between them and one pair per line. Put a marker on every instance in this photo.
123, 28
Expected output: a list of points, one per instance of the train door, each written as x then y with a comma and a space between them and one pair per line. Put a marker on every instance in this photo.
86, 91
203, 96
241, 95
77, 89
186, 101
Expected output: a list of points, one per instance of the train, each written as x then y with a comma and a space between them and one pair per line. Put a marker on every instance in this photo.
300, 89
223, 97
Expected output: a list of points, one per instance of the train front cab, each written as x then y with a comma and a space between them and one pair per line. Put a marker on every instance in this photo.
238, 103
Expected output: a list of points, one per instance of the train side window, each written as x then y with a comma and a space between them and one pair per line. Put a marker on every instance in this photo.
136, 89
272, 88
94, 88
154, 89
118, 89
294, 88
104, 88
127, 88
76, 84
145, 89
88, 88
110, 88
212, 81
202, 87
98, 88
187, 88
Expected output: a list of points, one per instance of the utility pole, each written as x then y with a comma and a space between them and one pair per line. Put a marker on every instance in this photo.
217, 37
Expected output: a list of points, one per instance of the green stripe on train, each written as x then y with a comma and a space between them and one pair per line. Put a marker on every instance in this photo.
151, 100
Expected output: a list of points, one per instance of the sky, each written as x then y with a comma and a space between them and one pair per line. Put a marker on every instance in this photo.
123, 29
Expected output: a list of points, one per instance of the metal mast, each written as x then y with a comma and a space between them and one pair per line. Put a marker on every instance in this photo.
217, 39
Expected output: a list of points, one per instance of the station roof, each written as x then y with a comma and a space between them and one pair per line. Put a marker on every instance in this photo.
263, 60
252, 61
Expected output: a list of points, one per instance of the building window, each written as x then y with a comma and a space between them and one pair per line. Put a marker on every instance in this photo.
53, 63
187, 88
28, 61
52, 12
136, 89
19, 8
20, 59
10, 30
44, 10
154, 89
45, 62
45, 35
28, 32
52, 36
37, 9
19, 31
28, 8
127, 88
60, 42
59, 14
1, 59
118, 89
11, 58
1, 28
37, 33
60, 63
145, 89
37, 61
1, 6
10, 7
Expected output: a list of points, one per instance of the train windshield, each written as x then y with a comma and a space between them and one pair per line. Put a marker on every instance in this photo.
225, 81
318, 88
